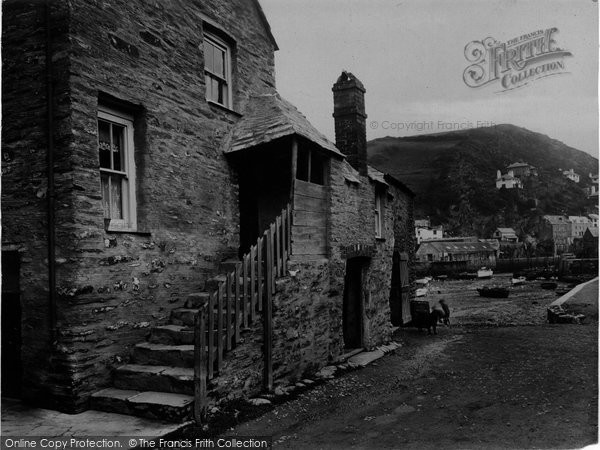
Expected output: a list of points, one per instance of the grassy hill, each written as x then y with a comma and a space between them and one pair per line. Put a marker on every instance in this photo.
453, 175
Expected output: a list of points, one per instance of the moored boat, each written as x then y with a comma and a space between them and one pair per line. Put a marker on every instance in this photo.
518, 281
484, 272
421, 292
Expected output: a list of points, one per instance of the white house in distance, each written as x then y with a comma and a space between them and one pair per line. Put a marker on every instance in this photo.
592, 191
508, 181
522, 169
594, 220
505, 235
425, 232
571, 175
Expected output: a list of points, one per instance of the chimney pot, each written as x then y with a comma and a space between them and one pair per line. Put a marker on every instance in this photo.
350, 120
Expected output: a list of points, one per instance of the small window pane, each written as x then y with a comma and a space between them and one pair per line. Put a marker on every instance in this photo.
219, 60
207, 81
104, 143
302, 166
116, 199
216, 94
208, 56
118, 144
105, 195
316, 170
224, 93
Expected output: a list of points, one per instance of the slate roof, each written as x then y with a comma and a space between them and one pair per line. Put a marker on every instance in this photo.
579, 219
518, 164
556, 220
349, 173
268, 117
506, 230
440, 247
376, 176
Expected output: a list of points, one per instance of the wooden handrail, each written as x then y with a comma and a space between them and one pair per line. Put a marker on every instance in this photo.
245, 292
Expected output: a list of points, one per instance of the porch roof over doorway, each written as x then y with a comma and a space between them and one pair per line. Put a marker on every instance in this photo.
268, 117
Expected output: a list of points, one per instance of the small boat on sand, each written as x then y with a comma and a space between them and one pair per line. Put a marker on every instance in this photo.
484, 272
518, 281
549, 285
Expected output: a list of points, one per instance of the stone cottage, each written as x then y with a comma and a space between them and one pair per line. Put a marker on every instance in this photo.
145, 152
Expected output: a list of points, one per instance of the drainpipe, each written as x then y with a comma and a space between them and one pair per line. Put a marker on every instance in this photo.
50, 193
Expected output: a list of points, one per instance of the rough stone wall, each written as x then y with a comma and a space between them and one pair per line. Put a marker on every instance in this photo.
308, 303
146, 58
25, 180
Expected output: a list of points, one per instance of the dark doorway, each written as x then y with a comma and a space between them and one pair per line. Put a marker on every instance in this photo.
353, 302
400, 290
11, 326
265, 186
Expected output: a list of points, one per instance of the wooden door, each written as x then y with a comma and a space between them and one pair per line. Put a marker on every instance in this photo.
405, 288
396, 292
353, 304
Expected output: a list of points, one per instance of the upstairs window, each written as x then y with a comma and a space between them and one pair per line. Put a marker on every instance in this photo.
217, 70
117, 169
311, 166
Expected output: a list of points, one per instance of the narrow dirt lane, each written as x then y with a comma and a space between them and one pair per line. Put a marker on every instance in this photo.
512, 387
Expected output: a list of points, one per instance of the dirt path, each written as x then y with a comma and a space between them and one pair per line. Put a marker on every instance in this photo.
499, 378
513, 387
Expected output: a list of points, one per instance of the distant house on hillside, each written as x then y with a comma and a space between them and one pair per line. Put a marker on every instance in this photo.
475, 254
425, 232
505, 235
578, 225
571, 175
592, 191
522, 169
557, 229
590, 243
594, 219
508, 181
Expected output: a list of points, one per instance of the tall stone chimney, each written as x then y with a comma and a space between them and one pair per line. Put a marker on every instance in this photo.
350, 120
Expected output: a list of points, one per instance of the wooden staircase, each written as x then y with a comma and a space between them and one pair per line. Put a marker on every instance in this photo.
167, 376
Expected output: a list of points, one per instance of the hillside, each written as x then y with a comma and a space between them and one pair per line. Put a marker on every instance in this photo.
453, 175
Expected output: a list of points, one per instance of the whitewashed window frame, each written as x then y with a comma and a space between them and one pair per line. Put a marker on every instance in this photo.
227, 69
128, 181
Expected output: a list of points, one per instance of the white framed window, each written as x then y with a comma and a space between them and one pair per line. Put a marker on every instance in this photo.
379, 213
117, 169
217, 70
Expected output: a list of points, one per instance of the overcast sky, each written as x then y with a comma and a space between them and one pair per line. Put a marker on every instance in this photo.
409, 54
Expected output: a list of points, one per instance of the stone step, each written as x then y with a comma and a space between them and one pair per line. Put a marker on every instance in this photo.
172, 335
212, 284
196, 300
149, 404
179, 380
228, 265
185, 316
163, 355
